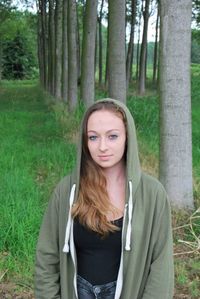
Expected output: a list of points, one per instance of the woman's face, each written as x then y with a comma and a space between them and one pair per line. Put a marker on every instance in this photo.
106, 138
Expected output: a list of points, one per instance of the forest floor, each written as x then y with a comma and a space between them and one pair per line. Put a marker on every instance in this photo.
34, 141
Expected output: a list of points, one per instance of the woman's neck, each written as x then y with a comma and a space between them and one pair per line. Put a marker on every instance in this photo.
115, 174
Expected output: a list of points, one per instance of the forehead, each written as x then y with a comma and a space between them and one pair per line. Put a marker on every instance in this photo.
104, 119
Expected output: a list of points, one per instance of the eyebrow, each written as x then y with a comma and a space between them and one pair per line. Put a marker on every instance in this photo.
92, 131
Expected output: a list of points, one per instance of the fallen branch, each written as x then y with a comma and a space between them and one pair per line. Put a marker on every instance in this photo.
193, 245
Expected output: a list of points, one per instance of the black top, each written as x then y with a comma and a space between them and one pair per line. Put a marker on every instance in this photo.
98, 258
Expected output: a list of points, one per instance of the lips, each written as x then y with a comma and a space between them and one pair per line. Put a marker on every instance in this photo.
104, 157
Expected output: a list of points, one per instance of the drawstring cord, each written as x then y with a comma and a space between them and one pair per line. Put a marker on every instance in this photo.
67, 233
128, 232
130, 211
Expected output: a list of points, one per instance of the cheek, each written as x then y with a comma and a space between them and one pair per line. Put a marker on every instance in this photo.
91, 147
122, 143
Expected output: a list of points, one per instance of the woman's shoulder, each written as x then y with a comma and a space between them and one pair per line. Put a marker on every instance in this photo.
62, 189
151, 181
154, 188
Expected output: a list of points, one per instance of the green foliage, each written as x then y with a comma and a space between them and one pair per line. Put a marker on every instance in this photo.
18, 61
195, 50
196, 11
18, 39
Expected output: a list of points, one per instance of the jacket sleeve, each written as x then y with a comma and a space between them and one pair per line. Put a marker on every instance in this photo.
160, 281
47, 270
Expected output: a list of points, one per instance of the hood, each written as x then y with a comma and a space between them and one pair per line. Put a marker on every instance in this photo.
133, 173
133, 169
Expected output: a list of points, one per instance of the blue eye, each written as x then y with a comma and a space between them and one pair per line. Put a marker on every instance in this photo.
113, 136
92, 138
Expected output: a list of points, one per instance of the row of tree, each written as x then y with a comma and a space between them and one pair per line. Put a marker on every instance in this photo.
74, 35
61, 65
83, 38
18, 42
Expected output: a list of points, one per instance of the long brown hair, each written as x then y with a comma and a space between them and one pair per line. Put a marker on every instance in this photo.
93, 204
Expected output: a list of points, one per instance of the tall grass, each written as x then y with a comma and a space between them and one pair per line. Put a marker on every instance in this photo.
33, 157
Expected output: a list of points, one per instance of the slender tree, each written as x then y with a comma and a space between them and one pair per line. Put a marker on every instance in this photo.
72, 62
42, 42
58, 49
143, 52
129, 58
64, 56
175, 104
88, 53
155, 60
116, 50
107, 40
100, 42
51, 47
138, 43
78, 43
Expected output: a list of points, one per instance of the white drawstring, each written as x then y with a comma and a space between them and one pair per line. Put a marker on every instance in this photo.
130, 211
67, 232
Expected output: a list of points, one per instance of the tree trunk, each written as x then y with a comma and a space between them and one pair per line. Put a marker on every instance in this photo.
129, 58
58, 50
78, 43
107, 40
138, 47
143, 52
116, 50
155, 60
65, 52
1, 53
72, 50
88, 53
42, 46
100, 43
175, 110
51, 47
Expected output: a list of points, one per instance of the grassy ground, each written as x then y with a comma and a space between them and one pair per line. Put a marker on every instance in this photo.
33, 157
36, 151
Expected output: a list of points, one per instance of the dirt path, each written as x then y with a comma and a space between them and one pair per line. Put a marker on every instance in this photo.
12, 291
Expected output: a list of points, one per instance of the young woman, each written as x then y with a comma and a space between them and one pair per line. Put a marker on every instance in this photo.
107, 232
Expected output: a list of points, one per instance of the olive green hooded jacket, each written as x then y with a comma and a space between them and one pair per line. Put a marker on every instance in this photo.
146, 268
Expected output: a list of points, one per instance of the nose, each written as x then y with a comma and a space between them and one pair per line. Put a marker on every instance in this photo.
103, 145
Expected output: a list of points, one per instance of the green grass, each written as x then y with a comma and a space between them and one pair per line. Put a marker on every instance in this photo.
37, 149
33, 157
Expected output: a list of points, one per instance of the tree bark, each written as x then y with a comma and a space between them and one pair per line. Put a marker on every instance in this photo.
78, 51
1, 53
155, 60
65, 52
143, 52
107, 42
100, 43
129, 58
51, 47
88, 53
58, 50
42, 42
175, 105
116, 50
138, 47
72, 62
